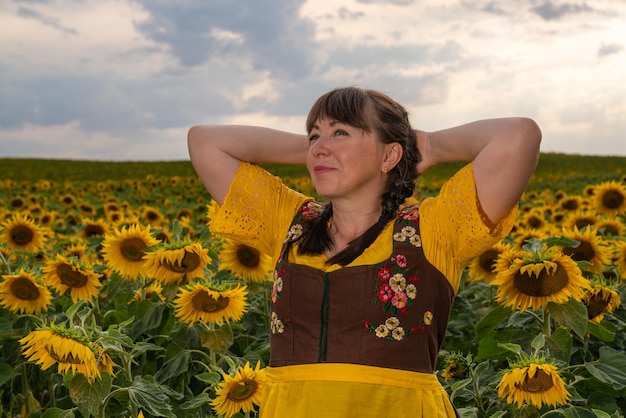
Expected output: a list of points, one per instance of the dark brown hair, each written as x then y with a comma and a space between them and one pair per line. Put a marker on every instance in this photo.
377, 113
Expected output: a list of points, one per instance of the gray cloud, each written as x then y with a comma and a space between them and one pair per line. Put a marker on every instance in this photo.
43, 19
610, 49
550, 10
395, 2
270, 33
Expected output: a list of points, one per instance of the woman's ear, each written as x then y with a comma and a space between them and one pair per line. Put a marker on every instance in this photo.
393, 154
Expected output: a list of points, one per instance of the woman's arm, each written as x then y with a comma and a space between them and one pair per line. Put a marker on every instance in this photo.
217, 150
504, 153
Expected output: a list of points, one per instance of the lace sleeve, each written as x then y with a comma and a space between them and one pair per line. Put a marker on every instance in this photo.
454, 228
257, 210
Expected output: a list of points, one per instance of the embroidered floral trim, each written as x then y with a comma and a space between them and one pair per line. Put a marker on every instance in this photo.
408, 232
277, 325
396, 286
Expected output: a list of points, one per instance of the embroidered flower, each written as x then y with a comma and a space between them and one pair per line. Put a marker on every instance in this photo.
399, 300
411, 291
399, 236
398, 334
410, 214
384, 274
311, 210
416, 240
382, 331
392, 323
400, 260
295, 232
408, 231
385, 293
397, 282
428, 317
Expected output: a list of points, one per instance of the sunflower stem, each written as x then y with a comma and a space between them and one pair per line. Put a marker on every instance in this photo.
6, 263
547, 329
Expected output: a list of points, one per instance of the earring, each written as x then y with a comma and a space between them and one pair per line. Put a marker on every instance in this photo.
385, 170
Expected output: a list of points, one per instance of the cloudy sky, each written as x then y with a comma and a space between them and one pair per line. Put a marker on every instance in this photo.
125, 79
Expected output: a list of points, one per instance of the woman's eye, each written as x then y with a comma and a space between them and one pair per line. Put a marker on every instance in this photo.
313, 137
340, 132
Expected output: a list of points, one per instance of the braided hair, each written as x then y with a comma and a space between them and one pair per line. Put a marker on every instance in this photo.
375, 112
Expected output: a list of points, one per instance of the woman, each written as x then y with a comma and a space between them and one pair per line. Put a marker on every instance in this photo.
364, 283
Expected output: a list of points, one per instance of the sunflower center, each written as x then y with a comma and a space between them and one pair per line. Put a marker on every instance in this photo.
93, 231
248, 256
68, 358
24, 289
22, 234
545, 284
584, 252
596, 305
189, 263
540, 382
487, 260
243, 390
132, 249
204, 302
612, 199
71, 277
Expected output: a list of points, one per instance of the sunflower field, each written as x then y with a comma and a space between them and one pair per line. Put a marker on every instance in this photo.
117, 301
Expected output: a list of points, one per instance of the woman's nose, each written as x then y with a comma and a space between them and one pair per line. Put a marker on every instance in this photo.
319, 146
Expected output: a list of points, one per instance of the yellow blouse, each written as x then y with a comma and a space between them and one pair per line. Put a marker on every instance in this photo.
259, 208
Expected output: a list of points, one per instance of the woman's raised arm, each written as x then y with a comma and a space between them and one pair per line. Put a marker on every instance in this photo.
217, 150
504, 152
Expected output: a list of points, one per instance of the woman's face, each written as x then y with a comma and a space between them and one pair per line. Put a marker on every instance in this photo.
346, 162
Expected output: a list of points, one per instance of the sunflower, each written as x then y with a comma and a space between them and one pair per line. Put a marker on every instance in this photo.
22, 233
481, 268
67, 348
124, 250
170, 263
154, 289
65, 274
241, 392
590, 248
620, 258
456, 366
94, 228
536, 383
152, 215
611, 227
571, 203
533, 278
580, 219
199, 302
599, 300
523, 235
610, 198
21, 293
246, 262
534, 219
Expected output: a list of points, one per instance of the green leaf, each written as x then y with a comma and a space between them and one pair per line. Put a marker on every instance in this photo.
149, 316
150, 397
610, 368
6, 371
491, 321
89, 396
489, 346
197, 402
174, 366
210, 379
218, 340
604, 331
538, 342
572, 315
560, 344
71, 311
